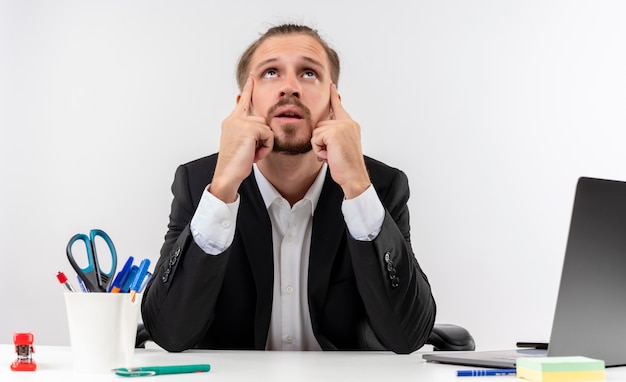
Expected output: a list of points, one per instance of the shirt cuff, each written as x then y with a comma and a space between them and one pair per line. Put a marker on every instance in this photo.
364, 215
213, 224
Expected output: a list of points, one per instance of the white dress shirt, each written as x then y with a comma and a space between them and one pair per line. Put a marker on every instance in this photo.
213, 229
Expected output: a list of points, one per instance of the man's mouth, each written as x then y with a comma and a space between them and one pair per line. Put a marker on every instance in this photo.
288, 115
289, 110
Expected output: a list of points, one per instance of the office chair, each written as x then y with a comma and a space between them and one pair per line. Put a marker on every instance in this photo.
444, 337
448, 337
142, 336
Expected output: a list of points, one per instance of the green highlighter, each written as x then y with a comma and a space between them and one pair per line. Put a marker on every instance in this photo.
146, 371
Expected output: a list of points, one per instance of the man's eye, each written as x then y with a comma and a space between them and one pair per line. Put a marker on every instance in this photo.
270, 73
309, 74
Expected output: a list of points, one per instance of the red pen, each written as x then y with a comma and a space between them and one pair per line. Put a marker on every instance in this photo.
64, 281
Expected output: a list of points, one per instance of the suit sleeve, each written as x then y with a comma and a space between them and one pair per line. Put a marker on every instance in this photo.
179, 301
394, 289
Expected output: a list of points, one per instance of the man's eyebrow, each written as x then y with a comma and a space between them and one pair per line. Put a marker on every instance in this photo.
313, 61
265, 62
304, 58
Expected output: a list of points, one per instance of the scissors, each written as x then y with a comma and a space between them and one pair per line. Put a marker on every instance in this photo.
95, 279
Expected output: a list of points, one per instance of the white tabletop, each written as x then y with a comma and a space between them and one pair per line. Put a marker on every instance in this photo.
54, 363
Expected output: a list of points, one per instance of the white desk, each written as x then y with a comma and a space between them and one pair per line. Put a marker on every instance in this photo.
54, 363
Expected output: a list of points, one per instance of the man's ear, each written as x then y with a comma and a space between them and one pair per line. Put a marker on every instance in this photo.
331, 113
250, 112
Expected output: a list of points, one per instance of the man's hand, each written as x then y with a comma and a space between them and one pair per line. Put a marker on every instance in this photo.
245, 140
338, 142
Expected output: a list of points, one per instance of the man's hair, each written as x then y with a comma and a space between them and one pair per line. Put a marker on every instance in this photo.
285, 30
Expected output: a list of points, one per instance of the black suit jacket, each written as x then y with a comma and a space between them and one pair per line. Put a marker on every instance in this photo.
361, 295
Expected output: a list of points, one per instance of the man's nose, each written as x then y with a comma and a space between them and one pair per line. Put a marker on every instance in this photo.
292, 93
291, 87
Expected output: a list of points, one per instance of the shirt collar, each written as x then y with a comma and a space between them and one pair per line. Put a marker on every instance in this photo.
269, 193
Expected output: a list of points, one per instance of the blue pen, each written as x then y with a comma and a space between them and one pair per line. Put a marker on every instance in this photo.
129, 279
120, 278
145, 282
481, 373
81, 284
135, 286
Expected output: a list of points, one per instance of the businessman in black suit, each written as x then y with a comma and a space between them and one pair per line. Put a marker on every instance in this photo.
289, 238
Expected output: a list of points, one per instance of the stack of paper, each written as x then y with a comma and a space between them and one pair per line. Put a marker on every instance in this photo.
560, 369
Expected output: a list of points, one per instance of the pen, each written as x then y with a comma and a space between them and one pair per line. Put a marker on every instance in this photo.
129, 279
480, 373
81, 284
64, 281
120, 278
146, 371
135, 286
145, 282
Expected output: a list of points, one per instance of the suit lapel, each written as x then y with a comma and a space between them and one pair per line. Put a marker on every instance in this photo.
254, 225
328, 230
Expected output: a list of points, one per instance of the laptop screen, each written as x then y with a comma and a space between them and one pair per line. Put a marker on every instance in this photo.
590, 314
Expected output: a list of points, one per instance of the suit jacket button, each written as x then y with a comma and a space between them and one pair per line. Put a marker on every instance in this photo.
395, 282
166, 275
392, 274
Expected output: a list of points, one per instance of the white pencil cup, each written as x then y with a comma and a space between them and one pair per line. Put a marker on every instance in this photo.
103, 328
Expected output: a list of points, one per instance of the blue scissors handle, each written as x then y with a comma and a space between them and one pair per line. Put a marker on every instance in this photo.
93, 276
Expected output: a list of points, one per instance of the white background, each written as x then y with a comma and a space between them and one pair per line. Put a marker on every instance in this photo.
493, 109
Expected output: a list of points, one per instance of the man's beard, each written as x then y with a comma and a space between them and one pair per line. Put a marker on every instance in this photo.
289, 146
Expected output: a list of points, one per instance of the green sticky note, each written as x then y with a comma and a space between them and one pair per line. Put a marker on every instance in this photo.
555, 364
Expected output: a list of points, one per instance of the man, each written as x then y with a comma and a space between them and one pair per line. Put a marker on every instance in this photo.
289, 239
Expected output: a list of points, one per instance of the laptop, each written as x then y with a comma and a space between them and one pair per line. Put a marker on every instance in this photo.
590, 314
